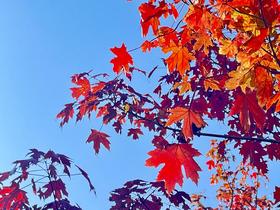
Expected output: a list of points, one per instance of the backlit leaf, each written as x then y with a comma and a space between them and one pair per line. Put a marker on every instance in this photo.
174, 157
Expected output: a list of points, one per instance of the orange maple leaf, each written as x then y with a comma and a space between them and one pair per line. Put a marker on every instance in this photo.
122, 59
189, 117
98, 86
274, 100
210, 83
228, 48
245, 104
203, 41
174, 157
179, 59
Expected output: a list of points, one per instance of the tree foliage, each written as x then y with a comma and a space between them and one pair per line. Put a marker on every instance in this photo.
44, 173
222, 59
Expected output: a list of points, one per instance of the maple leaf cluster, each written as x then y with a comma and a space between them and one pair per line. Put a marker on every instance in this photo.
223, 64
43, 173
136, 195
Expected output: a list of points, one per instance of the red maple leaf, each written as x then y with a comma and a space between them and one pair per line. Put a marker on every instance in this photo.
174, 157
150, 15
98, 138
256, 42
276, 194
66, 114
254, 152
245, 104
56, 187
159, 142
122, 59
211, 164
83, 86
134, 132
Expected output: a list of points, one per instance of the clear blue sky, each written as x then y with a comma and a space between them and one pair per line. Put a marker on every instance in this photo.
43, 43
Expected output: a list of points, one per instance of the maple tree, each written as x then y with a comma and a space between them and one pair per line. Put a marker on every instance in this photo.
223, 59
223, 64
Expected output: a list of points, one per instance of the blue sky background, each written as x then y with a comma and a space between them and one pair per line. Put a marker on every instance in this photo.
43, 43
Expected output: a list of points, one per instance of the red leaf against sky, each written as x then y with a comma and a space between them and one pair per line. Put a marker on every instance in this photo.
83, 86
174, 157
188, 116
122, 59
98, 138
244, 105
159, 142
134, 132
149, 17
57, 187
66, 114
210, 164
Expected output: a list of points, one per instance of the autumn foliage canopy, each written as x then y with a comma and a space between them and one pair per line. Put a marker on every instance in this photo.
221, 62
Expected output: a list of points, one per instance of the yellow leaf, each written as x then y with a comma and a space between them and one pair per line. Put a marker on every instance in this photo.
228, 48
126, 108
240, 78
188, 116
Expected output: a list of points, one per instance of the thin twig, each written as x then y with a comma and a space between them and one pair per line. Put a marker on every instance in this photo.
52, 188
237, 137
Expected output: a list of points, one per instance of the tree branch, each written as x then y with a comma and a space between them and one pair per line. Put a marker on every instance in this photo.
158, 36
52, 188
236, 137
224, 136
